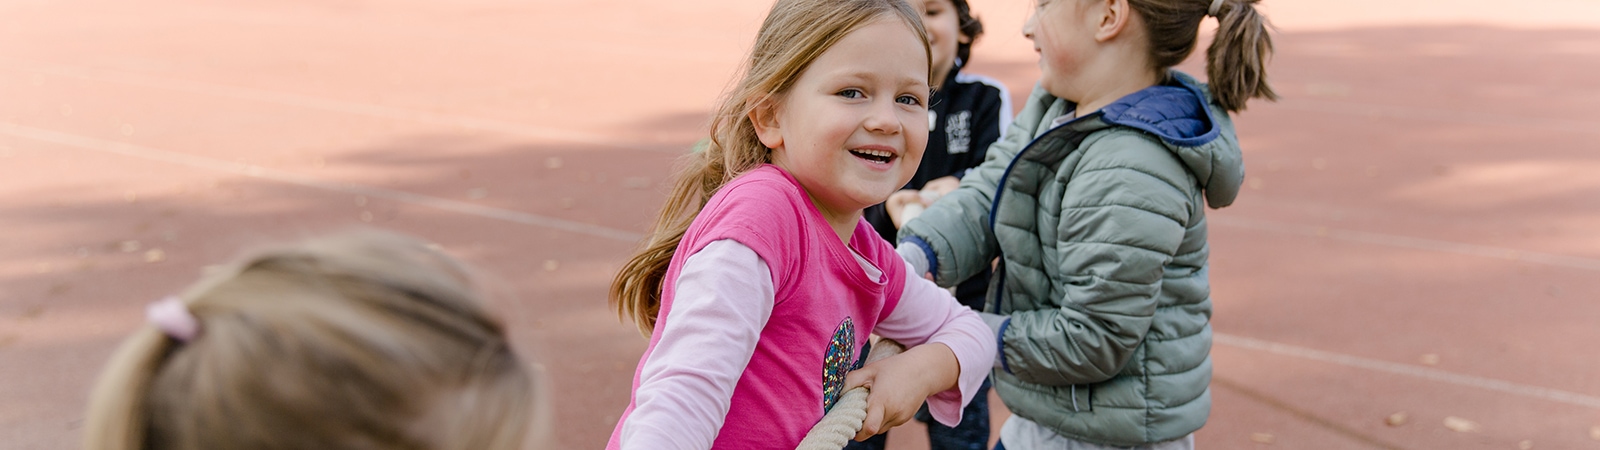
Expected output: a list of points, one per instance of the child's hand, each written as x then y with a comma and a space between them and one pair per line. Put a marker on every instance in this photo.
897, 203
942, 185
900, 383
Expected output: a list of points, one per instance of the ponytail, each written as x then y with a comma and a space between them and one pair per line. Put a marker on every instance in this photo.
1236, 62
350, 338
117, 415
636, 290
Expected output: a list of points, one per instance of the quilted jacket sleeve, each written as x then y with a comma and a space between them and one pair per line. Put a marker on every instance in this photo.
955, 230
1123, 218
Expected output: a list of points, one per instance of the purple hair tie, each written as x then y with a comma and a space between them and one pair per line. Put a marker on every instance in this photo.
172, 317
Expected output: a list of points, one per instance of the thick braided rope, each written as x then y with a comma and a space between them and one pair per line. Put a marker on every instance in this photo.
841, 423
844, 420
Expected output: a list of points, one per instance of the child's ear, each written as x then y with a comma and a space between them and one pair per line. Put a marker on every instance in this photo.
1115, 15
765, 119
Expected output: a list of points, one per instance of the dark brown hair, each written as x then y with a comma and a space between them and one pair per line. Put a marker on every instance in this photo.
970, 27
794, 34
1236, 61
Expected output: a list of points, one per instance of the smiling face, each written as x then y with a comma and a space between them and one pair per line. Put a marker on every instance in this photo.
944, 34
852, 127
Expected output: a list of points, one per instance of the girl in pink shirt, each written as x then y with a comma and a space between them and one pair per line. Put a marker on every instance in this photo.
761, 283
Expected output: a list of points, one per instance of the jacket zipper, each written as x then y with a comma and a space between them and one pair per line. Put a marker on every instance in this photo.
999, 191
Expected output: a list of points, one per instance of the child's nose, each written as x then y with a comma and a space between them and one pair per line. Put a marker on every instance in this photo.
1027, 27
883, 118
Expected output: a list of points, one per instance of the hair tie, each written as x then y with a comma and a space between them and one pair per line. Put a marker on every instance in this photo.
1216, 6
172, 317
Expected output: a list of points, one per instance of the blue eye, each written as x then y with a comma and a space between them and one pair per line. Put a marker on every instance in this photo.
909, 99
852, 93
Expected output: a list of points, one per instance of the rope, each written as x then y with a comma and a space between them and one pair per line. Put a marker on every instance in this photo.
840, 424
844, 420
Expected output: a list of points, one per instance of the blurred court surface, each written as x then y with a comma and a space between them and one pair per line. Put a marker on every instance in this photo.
1414, 263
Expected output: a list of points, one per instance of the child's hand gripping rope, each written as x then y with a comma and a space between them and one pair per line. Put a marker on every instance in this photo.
859, 415
843, 422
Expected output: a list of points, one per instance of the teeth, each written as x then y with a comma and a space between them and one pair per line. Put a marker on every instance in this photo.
877, 153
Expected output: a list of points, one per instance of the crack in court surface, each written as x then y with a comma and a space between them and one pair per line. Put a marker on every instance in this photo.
1303, 415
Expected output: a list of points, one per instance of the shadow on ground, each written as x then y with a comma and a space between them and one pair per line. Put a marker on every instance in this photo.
1383, 110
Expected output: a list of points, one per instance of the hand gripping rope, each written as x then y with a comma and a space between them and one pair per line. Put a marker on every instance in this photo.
844, 420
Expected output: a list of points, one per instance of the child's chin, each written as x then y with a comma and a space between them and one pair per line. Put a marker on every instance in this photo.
882, 195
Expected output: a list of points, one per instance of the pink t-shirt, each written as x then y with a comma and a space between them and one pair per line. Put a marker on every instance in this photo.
825, 299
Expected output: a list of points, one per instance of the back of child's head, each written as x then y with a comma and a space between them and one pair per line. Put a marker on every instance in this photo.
1236, 61
793, 35
359, 341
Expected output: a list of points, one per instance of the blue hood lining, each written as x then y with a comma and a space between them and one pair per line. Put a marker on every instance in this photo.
1175, 112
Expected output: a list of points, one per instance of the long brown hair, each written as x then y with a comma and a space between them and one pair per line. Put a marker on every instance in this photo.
1236, 61
794, 34
366, 340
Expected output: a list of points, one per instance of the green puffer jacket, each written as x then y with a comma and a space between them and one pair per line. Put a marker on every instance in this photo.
1100, 226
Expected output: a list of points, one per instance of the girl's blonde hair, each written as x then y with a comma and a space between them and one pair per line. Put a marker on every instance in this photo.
1235, 63
794, 34
359, 341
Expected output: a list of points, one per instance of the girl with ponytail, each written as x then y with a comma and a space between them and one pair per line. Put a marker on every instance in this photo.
361, 341
1095, 204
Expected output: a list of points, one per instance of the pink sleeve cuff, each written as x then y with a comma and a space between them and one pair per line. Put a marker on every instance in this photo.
929, 314
969, 339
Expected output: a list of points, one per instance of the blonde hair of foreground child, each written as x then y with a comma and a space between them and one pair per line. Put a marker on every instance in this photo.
359, 341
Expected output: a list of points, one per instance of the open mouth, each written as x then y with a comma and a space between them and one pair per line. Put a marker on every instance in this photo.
877, 156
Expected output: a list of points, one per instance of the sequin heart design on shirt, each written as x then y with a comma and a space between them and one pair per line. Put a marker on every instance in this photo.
839, 360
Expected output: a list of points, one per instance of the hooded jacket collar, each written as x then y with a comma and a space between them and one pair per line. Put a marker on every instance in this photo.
1180, 114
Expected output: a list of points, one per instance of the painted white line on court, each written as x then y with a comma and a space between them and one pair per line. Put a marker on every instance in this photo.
1556, 395
153, 154
338, 106
1436, 115
1574, 262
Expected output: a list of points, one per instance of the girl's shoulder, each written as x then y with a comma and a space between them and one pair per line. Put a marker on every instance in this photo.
767, 183
764, 204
